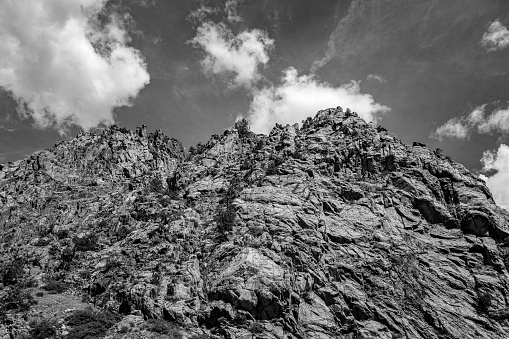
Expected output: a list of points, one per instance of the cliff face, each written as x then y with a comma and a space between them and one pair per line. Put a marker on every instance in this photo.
333, 230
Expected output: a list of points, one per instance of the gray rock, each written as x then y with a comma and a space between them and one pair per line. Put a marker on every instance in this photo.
333, 230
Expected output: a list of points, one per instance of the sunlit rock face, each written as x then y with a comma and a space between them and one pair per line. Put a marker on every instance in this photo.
334, 229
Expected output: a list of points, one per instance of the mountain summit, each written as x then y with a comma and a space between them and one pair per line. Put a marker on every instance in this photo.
335, 229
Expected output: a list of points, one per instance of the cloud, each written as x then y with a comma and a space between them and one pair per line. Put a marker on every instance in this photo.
231, 11
6, 129
498, 183
476, 117
498, 122
62, 66
238, 57
340, 31
201, 13
462, 127
496, 37
453, 129
298, 97
376, 77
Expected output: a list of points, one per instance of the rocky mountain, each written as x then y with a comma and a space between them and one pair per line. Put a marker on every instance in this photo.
335, 229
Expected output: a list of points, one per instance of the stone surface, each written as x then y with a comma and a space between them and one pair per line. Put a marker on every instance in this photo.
331, 230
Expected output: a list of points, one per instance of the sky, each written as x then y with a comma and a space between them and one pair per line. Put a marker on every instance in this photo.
433, 71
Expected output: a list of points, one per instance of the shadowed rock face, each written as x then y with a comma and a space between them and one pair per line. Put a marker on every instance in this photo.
333, 230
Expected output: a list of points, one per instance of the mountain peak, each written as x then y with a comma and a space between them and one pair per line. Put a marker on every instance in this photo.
334, 229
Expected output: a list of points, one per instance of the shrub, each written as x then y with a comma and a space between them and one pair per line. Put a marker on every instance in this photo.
484, 301
247, 164
81, 317
242, 127
88, 242
157, 185
123, 329
91, 330
298, 155
16, 299
67, 254
225, 218
111, 264
173, 182
259, 145
226, 214
54, 286
274, 164
198, 149
87, 324
122, 232
43, 329
53, 249
41, 242
201, 336
307, 123
163, 327
256, 327
12, 268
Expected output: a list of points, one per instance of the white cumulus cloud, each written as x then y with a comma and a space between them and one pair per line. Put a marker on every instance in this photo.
477, 120
498, 121
238, 57
496, 37
298, 97
498, 183
62, 67
453, 129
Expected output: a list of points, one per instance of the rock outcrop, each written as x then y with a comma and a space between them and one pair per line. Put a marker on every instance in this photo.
335, 229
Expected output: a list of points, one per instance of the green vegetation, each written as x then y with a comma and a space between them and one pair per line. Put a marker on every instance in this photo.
156, 184
274, 163
201, 336
87, 324
226, 214
89, 242
484, 302
242, 127
54, 286
43, 329
15, 299
163, 327
12, 268
256, 327
298, 155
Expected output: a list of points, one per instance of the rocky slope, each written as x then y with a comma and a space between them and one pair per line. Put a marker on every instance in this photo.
332, 230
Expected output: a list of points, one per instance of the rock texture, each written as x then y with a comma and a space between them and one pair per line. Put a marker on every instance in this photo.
332, 230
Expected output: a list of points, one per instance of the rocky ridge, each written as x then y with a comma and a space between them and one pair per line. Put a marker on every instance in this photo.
335, 229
